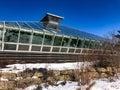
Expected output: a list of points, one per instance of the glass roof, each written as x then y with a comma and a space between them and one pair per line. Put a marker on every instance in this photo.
24, 25
63, 29
11, 24
78, 33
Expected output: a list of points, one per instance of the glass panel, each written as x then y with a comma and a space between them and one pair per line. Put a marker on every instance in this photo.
91, 45
40, 25
33, 25
37, 38
71, 50
24, 37
11, 35
73, 42
11, 24
57, 41
63, 49
78, 33
48, 40
36, 48
65, 41
9, 47
84, 51
78, 51
0, 46
1, 33
24, 25
55, 49
80, 42
86, 44
23, 47
46, 49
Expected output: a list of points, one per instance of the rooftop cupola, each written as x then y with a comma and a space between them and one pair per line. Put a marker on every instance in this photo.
51, 21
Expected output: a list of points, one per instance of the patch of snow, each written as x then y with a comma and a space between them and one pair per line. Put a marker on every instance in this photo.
67, 86
34, 77
50, 66
33, 87
100, 85
3, 79
106, 85
18, 78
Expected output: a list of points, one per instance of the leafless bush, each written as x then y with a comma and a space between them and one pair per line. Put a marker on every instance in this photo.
108, 56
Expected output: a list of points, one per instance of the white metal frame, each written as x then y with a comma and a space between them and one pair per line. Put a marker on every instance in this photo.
42, 45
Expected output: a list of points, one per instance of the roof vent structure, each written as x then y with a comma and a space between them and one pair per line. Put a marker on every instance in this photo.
51, 21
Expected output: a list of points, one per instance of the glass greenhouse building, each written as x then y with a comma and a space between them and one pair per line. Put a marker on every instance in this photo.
45, 36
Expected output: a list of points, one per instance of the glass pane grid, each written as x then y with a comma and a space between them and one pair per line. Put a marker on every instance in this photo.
34, 26
38, 24
11, 35
63, 29
24, 25
12, 24
77, 33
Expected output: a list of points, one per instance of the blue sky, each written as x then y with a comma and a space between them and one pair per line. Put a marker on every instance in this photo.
94, 16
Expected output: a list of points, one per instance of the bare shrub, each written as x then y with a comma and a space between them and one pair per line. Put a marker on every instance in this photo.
107, 55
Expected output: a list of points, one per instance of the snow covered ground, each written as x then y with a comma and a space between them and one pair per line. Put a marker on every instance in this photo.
101, 84
107, 85
68, 86
50, 66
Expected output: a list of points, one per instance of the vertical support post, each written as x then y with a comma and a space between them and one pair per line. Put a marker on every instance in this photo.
31, 37
42, 42
52, 43
69, 44
76, 44
3, 36
88, 46
61, 43
18, 37
82, 46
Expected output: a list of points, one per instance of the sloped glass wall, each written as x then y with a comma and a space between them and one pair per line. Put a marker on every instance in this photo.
20, 36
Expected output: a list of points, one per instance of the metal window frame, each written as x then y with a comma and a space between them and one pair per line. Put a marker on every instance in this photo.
3, 36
